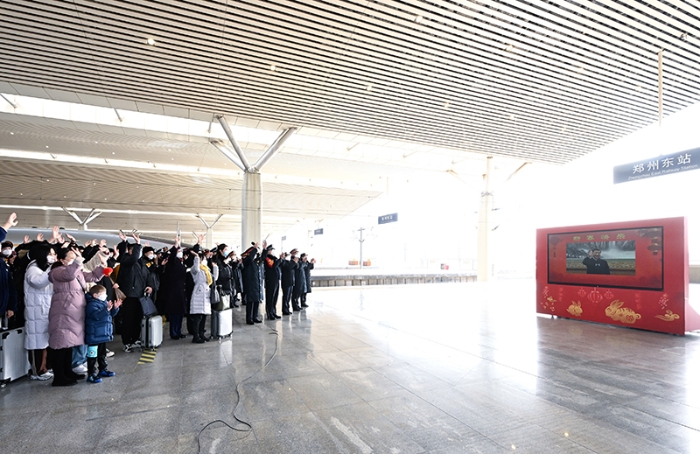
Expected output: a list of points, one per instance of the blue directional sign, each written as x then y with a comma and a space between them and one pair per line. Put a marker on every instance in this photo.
387, 218
655, 167
318, 232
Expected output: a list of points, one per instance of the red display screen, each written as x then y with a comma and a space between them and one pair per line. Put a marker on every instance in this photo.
623, 258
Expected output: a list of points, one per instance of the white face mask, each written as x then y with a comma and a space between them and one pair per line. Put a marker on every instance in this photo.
69, 262
204, 262
179, 254
101, 297
7, 252
50, 259
150, 256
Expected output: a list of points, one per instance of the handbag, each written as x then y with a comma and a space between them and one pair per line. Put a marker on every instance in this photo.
215, 298
149, 308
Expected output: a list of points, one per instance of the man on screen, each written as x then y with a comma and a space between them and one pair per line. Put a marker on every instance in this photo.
594, 264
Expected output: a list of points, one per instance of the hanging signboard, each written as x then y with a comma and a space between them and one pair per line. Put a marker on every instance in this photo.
318, 232
387, 218
655, 167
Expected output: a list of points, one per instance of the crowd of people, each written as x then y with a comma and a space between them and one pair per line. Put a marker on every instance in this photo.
72, 298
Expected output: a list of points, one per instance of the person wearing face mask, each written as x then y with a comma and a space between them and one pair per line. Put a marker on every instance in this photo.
149, 261
67, 312
98, 331
37, 298
8, 291
200, 303
175, 274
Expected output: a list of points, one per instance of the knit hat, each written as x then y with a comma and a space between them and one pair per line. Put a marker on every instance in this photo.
147, 249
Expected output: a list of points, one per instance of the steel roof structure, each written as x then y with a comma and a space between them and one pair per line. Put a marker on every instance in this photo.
544, 81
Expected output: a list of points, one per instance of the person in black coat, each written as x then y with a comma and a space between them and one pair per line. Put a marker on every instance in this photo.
299, 284
132, 281
8, 291
175, 274
253, 281
223, 261
287, 268
273, 274
237, 278
308, 266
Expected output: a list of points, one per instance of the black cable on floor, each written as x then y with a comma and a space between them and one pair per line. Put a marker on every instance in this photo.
249, 428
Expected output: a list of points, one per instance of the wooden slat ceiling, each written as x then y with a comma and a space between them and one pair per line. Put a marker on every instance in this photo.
535, 80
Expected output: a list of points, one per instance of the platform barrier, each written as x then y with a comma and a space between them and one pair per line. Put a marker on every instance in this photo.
388, 279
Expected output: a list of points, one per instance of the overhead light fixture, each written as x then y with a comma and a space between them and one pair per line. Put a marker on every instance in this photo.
563, 129
447, 105
579, 69
47, 146
639, 87
418, 19
273, 68
151, 41
509, 47
12, 133
369, 87
512, 117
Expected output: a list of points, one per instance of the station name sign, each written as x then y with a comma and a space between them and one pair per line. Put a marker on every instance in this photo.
655, 167
387, 218
318, 232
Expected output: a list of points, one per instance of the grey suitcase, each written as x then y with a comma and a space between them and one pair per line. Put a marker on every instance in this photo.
152, 331
14, 362
221, 323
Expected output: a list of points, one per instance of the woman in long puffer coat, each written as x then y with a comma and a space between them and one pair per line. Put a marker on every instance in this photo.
200, 304
67, 313
37, 299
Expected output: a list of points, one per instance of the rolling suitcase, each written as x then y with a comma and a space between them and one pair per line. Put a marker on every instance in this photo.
14, 362
152, 331
222, 323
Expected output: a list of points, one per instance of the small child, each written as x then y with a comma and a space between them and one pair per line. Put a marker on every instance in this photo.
98, 331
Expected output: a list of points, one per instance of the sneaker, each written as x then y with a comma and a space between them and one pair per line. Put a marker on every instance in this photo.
106, 373
128, 348
94, 379
42, 377
80, 369
137, 344
109, 354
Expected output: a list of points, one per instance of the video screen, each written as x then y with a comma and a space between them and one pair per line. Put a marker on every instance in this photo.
605, 257
624, 258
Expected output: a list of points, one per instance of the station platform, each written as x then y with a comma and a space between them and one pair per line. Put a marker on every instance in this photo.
442, 368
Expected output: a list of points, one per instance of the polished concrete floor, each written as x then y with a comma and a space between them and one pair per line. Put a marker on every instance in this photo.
435, 368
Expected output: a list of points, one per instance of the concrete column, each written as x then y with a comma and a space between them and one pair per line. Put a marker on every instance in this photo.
483, 269
251, 219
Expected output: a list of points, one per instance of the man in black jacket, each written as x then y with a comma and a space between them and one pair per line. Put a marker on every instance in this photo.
308, 266
273, 274
132, 281
299, 284
288, 268
253, 281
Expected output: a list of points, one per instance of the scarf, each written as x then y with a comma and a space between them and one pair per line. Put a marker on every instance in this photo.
207, 273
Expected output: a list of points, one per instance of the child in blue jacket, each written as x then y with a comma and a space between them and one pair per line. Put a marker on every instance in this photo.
98, 331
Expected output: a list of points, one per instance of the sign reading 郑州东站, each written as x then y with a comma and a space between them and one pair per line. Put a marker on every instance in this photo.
682, 161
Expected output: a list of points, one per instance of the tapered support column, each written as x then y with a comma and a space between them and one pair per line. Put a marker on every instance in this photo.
210, 230
483, 270
251, 220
